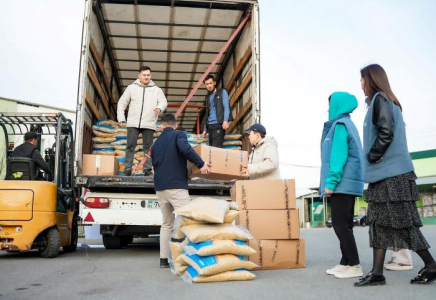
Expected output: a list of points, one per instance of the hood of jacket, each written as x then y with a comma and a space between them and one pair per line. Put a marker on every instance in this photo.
341, 103
138, 82
268, 139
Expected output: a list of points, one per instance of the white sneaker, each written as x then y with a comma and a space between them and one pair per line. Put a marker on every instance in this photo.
336, 269
350, 272
393, 266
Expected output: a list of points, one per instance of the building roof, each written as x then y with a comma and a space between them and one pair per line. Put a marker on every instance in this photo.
423, 154
38, 105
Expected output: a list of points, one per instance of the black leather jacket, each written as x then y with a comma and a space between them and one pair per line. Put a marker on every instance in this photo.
383, 120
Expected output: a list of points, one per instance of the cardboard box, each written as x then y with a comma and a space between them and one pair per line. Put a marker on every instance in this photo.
264, 194
101, 165
226, 163
278, 254
271, 224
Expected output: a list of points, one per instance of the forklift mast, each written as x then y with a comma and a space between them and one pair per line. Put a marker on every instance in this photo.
60, 157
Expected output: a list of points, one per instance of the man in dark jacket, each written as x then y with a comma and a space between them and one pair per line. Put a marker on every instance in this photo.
218, 113
28, 149
169, 155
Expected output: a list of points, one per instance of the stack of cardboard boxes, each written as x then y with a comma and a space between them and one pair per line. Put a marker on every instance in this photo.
268, 211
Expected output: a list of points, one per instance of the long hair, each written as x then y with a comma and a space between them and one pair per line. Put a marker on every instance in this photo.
376, 80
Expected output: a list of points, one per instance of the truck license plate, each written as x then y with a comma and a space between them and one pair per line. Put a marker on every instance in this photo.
152, 204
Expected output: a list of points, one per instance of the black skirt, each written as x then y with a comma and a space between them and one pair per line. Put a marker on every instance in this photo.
392, 214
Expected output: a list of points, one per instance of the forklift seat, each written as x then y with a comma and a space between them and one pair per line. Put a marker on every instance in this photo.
24, 165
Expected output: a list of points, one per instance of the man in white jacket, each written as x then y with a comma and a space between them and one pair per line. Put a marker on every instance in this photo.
263, 162
145, 101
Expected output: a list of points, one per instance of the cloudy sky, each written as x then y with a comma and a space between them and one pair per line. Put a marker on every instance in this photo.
309, 49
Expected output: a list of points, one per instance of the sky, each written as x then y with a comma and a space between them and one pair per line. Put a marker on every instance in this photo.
309, 49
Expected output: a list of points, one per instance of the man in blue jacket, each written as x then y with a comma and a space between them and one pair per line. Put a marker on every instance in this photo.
218, 113
169, 155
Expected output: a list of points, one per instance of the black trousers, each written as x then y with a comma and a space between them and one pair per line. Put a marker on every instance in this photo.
132, 139
216, 135
342, 219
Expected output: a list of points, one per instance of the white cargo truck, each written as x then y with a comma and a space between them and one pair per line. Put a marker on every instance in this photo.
178, 40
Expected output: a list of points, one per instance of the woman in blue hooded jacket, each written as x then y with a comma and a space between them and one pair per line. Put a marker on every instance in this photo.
392, 192
342, 178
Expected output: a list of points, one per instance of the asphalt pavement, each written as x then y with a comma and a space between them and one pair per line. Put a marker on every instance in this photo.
134, 273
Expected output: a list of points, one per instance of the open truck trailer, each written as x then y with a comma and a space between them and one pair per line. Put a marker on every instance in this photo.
178, 40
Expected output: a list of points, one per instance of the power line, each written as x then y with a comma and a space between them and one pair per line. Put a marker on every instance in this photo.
300, 166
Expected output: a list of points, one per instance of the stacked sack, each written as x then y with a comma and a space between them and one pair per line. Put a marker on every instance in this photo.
232, 141
111, 139
213, 248
104, 136
194, 139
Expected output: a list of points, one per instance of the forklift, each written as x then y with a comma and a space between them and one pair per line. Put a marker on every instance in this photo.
38, 210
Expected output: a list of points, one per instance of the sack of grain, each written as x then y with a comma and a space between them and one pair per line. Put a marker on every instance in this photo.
210, 265
219, 247
200, 233
205, 209
191, 275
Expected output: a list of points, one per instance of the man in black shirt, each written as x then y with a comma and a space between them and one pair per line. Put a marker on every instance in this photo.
28, 149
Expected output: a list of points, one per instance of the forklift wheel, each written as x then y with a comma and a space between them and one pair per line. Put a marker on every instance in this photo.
74, 237
52, 238
112, 242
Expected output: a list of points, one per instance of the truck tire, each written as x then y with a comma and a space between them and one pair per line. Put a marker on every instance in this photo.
51, 249
74, 238
126, 240
112, 242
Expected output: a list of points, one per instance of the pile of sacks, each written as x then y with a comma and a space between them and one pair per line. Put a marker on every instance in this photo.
195, 139
213, 248
111, 139
231, 140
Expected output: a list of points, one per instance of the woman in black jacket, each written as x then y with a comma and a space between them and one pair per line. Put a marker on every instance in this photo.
392, 192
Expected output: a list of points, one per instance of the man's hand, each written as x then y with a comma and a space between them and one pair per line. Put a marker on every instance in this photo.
244, 172
225, 125
121, 123
203, 135
328, 191
205, 169
157, 111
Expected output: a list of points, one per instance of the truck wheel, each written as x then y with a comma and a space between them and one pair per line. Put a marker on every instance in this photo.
52, 238
74, 238
112, 242
126, 240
